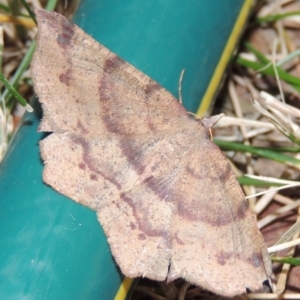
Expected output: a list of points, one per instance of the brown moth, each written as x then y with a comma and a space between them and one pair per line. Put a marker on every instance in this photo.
122, 145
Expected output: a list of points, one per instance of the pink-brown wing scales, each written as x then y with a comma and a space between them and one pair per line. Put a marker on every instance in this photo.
123, 146
215, 239
111, 126
130, 183
72, 75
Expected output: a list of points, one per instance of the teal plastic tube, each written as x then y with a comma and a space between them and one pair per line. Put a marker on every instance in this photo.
53, 248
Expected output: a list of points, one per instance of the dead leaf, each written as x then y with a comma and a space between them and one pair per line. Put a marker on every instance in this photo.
122, 145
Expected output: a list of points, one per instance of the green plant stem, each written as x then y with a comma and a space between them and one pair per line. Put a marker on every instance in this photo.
262, 152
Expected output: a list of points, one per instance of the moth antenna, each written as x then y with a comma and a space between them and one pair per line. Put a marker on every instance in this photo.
194, 115
180, 85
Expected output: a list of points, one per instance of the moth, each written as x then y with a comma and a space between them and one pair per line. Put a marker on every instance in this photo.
121, 144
